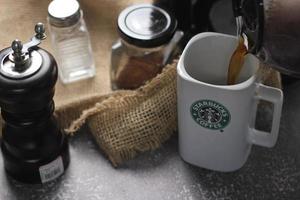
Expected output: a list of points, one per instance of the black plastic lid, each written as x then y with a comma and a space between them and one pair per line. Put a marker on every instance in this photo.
147, 26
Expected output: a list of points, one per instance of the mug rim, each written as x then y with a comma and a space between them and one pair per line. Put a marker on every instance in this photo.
181, 69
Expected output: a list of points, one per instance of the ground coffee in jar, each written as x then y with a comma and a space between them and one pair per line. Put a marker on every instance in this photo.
144, 47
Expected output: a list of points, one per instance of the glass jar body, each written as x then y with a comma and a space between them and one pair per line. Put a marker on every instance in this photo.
73, 51
132, 66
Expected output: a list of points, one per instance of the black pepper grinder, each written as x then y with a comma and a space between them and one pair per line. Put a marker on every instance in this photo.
33, 147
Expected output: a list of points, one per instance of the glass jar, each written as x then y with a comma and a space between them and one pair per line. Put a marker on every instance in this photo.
147, 43
70, 40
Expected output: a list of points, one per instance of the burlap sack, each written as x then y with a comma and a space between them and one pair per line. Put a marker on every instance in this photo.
129, 122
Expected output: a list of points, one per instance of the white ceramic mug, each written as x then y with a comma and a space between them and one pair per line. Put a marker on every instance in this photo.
216, 121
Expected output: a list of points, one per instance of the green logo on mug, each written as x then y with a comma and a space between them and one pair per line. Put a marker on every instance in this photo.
210, 114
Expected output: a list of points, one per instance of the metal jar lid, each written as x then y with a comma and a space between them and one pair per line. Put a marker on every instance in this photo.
64, 13
145, 25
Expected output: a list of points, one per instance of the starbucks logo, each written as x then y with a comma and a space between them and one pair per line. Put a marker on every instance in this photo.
210, 114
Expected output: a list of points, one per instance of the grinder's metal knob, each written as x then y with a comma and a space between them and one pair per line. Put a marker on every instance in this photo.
24, 60
17, 47
40, 31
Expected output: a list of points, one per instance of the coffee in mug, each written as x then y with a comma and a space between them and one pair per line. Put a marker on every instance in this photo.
237, 61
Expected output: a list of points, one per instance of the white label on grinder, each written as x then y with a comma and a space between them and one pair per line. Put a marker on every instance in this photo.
52, 170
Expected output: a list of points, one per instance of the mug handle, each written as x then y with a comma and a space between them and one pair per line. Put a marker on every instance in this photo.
274, 96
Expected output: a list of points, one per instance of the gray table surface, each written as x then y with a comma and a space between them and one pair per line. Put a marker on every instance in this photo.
161, 174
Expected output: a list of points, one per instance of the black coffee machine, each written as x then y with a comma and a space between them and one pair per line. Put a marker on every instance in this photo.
195, 16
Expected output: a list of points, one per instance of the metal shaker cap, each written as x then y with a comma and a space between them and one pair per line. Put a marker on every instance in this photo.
64, 13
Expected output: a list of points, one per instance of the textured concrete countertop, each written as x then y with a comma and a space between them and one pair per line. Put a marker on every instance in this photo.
269, 173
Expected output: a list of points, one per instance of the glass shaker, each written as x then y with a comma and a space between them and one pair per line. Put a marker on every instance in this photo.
271, 28
147, 42
70, 40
